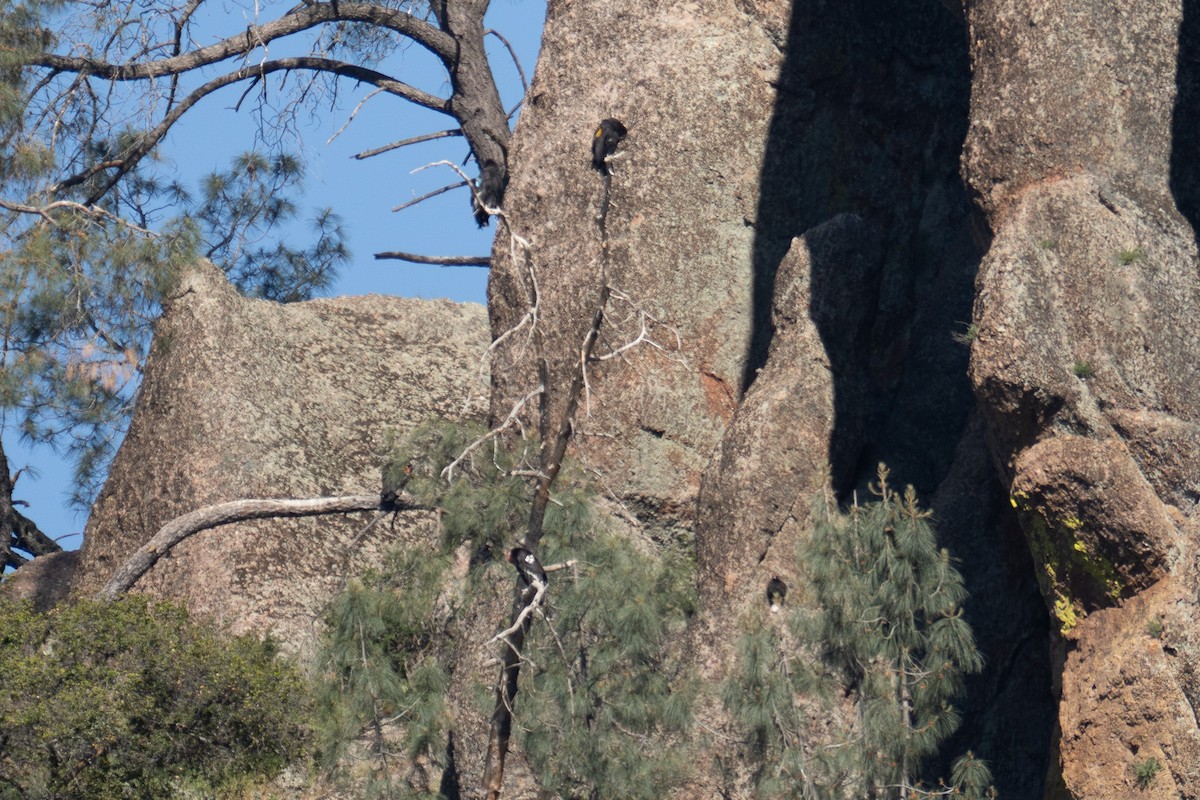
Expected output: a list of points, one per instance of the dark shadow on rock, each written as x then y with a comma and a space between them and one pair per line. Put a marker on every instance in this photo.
1185, 122
449, 785
870, 119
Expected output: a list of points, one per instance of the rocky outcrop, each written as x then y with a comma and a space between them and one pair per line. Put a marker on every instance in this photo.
246, 398
770, 367
44, 581
1084, 364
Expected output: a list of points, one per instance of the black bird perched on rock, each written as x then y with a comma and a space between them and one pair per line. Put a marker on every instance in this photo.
489, 191
608, 135
528, 567
776, 591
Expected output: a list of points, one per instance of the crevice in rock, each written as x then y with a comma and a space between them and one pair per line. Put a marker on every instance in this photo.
872, 122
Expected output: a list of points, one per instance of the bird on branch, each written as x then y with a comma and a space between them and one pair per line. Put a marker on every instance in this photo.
489, 191
394, 481
529, 569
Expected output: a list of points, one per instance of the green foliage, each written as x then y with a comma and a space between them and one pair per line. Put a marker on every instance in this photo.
1127, 257
1047, 244
604, 707
760, 693
131, 699
1083, 369
1154, 628
892, 624
603, 699
1144, 772
967, 335
485, 497
82, 281
240, 209
381, 663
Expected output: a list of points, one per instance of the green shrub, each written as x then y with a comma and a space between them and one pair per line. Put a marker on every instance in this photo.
1144, 772
381, 664
603, 699
967, 335
1127, 257
132, 699
1083, 369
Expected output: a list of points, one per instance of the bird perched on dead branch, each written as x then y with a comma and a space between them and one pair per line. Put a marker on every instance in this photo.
528, 567
609, 134
489, 191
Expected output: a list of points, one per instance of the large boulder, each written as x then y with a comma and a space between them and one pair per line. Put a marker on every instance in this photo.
246, 398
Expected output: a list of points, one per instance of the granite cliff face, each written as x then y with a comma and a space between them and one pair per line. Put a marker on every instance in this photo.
1082, 155
957, 240
788, 202
1064, 256
246, 398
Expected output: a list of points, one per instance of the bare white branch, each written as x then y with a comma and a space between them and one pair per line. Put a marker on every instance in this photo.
512, 419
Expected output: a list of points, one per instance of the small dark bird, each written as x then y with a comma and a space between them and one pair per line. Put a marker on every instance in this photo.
528, 567
776, 591
394, 481
608, 135
489, 191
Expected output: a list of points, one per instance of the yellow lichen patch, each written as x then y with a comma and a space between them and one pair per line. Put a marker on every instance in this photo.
1073, 523
1066, 613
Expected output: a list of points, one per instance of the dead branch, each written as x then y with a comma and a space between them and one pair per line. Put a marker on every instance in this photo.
516, 61
310, 15
513, 418
213, 516
522, 617
553, 451
90, 211
428, 195
442, 261
425, 137
145, 143
358, 107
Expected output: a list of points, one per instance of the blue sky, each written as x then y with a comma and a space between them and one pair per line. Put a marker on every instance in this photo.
363, 192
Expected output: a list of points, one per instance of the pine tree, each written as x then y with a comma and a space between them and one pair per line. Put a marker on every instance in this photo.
892, 623
384, 678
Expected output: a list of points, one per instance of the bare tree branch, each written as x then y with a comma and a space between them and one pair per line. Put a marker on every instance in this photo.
202, 519
129, 159
425, 137
553, 451
516, 61
444, 261
428, 195
311, 15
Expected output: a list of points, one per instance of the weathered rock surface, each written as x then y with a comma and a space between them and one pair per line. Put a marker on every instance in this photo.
1082, 119
789, 226
44, 581
246, 398
751, 124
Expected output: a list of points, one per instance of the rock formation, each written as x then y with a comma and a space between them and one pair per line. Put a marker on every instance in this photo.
837, 234
837, 347
1081, 154
246, 398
